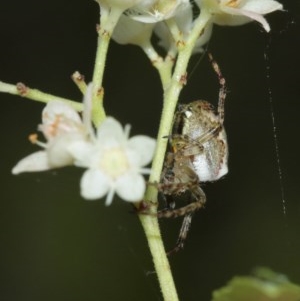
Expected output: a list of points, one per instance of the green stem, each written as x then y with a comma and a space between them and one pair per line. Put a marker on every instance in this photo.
172, 95
160, 260
34, 94
107, 23
164, 67
150, 222
78, 79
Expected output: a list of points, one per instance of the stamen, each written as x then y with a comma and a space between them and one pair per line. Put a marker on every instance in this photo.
33, 139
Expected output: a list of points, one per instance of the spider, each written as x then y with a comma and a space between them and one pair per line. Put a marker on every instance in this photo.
198, 152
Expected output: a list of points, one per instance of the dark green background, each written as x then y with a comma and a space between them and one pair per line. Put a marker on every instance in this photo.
56, 246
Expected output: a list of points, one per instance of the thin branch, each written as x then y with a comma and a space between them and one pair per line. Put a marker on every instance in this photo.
37, 95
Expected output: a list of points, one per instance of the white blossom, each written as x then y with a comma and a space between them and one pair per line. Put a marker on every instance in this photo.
114, 163
61, 126
129, 31
238, 12
112, 10
156, 11
185, 23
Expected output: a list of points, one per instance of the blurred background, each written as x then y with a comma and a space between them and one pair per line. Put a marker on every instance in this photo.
57, 246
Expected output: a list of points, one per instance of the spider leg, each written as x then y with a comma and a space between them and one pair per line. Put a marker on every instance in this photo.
222, 92
185, 227
187, 146
199, 202
167, 213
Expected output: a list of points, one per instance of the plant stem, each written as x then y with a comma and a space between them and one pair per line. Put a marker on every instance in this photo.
34, 94
108, 23
172, 95
150, 222
164, 67
78, 79
160, 260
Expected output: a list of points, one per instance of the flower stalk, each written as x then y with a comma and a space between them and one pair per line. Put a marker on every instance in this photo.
150, 223
108, 23
171, 98
37, 95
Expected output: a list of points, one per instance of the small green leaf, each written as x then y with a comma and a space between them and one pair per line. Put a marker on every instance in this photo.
265, 285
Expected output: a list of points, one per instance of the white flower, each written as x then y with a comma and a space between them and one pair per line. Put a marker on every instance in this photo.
185, 23
156, 11
129, 31
61, 126
111, 11
238, 12
115, 163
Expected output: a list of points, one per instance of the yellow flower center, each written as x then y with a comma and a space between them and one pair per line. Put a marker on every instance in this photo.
114, 162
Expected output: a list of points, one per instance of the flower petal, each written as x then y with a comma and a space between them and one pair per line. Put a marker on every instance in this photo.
254, 9
110, 131
230, 20
58, 149
58, 117
55, 108
251, 15
94, 184
157, 10
37, 161
131, 187
129, 31
262, 7
239, 12
82, 152
144, 146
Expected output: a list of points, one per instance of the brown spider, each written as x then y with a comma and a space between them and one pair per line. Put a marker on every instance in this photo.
198, 153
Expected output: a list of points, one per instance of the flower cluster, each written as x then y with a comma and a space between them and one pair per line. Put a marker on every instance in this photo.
142, 17
114, 161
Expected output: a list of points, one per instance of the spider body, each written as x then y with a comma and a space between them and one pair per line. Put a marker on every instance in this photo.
198, 152
199, 134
